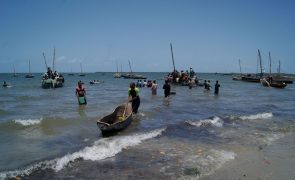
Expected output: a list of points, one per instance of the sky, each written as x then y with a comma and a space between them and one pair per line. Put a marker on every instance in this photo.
207, 35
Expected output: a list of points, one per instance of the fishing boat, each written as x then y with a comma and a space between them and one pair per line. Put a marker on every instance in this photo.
30, 75
81, 74
96, 82
52, 83
239, 76
251, 78
131, 75
117, 74
181, 78
51, 79
116, 121
269, 81
14, 73
255, 78
283, 78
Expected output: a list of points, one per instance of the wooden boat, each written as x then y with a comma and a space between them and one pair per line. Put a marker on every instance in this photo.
131, 75
264, 82
270, 82
30, 75
118, 120
95, 82
117, 74
50, 81
239, 76
278, 84
14, 73
81, 74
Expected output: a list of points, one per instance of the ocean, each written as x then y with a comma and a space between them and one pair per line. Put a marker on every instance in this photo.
247, 131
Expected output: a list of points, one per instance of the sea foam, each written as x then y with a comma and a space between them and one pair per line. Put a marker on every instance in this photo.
28, 122
215, 121
207, 163
101, 149
257, 116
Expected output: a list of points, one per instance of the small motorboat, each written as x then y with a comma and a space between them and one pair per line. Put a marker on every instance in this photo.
95, 82
116, 121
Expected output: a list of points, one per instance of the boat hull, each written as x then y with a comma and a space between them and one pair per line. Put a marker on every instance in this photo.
116, 122
51, 83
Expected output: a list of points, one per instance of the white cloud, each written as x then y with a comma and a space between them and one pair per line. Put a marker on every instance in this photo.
73, 60
61, 58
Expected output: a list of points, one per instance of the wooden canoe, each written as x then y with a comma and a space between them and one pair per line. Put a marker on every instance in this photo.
116, 121
278, 84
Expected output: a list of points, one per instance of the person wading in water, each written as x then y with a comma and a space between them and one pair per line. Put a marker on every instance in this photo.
80, 93
167, 89
133, 95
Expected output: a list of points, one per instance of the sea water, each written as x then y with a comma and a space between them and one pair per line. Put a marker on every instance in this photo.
44, 133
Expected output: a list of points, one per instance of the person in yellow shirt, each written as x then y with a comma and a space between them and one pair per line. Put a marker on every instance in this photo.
133, 95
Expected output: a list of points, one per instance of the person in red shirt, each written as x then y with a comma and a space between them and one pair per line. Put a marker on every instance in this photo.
80, 93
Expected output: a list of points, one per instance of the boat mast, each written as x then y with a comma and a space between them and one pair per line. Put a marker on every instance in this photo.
117, 66
240, 66
81, 67
269, 63
279, 69
45, 61
172, 57
14, 70
260, 62
29, 66
53, 60
130, 66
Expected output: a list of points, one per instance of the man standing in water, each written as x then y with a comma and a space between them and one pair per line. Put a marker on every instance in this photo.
133, 95
217, 85
167, 89
80, 93
206, 85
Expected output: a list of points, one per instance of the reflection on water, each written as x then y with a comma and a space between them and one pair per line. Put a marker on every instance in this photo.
81, 110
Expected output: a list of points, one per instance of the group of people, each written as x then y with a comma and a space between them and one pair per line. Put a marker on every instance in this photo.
133, 92
182, 77
216, 86
52, 75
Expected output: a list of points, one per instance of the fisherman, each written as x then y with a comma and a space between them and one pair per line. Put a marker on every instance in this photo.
217, 85
167, 89
80, 93
154, 87
133, 96
49, 72
190, 83
144, 83
206, 85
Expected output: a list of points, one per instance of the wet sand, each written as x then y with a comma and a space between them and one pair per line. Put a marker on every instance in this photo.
273, 162
171, 161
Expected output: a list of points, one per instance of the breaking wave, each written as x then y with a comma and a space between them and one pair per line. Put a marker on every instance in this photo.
101, 149
28, 122
215, 121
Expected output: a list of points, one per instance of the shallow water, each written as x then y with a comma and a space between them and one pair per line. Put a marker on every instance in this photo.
44, 133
